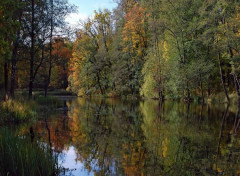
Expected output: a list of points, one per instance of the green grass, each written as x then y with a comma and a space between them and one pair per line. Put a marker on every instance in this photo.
21, 110
17, 111
18, 156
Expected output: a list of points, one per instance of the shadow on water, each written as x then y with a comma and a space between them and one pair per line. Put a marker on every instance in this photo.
113, 137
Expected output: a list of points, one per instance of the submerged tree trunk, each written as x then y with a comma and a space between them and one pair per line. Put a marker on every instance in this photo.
221, 130
31, 134
160, 95
222, 77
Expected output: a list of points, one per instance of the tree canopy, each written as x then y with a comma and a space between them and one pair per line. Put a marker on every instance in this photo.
150, 48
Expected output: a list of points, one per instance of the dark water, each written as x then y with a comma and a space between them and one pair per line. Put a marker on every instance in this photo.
113, 137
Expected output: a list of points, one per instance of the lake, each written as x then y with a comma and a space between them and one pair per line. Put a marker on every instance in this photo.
132, 137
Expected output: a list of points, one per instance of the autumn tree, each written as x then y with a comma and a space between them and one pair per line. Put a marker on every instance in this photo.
62, 52
135, 43
91, 52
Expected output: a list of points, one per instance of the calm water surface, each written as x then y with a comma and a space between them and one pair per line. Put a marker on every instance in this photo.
113, 137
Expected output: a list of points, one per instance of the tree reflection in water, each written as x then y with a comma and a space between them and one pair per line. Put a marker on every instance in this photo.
113, 137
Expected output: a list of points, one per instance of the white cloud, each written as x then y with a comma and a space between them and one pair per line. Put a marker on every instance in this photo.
74, 18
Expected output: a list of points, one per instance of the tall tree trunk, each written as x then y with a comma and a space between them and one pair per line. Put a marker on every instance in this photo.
237, 86
50, 52
6, 80
99, 84
32, 52
209, 89
49, 77
236, 83
14, 63
39, 65
188, 97
222, 77
201, 87
209, 78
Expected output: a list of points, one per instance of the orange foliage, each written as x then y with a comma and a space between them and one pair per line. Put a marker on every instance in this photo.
128, 5
62, 55
134, 32
133, 158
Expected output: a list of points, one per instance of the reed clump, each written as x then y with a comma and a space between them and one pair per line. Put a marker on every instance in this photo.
19, 156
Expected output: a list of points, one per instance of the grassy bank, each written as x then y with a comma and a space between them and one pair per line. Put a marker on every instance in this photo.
20, 109
18, 156
17, 111
40, 92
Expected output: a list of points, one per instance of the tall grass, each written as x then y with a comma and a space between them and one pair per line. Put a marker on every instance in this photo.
20, 109
20, 157
17, 111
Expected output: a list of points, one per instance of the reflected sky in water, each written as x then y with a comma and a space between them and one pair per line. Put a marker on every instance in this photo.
69, 161
116, 137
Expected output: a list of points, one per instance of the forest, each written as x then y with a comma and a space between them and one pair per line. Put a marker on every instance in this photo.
149, 87
35, 47
160, 49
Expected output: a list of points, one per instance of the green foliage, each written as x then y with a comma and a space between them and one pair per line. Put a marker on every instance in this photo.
9, 10
150, 48
154, 71
155, 53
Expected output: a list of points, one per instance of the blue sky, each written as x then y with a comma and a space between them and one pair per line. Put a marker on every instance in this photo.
86, 8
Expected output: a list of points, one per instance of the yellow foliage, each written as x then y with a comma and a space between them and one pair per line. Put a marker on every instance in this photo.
165, 148
165, 50
134, 34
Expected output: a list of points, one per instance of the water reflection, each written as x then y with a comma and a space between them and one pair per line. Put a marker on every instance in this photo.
113, 137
